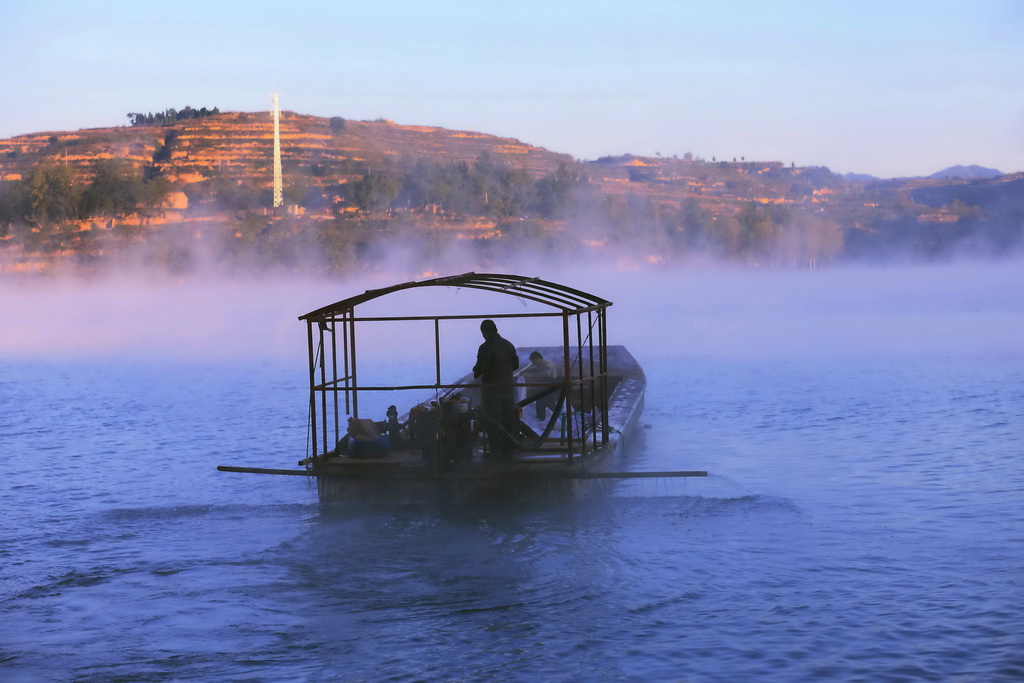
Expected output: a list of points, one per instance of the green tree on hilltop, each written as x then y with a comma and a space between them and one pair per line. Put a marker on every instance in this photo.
13, 202
170, 115
375, 192
696, 224
555, 192
758, 232
115, 189
53, 194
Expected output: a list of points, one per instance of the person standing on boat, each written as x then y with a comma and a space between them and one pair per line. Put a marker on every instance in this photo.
541, 371
496, 361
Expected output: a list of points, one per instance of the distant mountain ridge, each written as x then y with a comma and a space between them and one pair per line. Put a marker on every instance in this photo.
958, 171
972, 171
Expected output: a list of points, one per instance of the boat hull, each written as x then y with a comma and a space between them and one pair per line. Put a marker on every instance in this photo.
528, 476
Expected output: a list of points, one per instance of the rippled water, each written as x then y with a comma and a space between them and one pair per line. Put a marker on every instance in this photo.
864, 521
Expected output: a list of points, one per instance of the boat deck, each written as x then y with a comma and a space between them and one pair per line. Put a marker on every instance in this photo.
436, 451
550, 457
552, 452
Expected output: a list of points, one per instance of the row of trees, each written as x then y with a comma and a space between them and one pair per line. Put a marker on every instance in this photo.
522, 206
484, 188
769, 235
777, 235
170, 115
765, 234
51, 198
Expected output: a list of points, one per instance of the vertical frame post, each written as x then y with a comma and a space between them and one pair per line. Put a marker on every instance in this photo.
437, 352
593, 379
579, 346
334, 377
324, 425
345, 353
567, 383
352, 352
312, 386
603, 345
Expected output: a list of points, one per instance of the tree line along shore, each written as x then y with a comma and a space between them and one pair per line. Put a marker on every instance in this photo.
197, 184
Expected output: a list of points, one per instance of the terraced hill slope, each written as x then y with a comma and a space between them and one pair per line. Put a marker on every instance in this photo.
239, 145
354, 189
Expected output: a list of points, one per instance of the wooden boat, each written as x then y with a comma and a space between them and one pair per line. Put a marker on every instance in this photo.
437, 449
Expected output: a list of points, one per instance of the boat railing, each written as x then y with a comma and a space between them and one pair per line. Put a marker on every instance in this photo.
335, 383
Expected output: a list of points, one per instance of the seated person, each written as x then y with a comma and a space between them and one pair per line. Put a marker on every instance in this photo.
364, 439
538, 371
393, 427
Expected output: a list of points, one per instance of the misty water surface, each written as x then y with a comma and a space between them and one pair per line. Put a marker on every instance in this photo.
863, 521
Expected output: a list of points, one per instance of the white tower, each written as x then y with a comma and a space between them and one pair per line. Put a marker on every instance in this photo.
278, 185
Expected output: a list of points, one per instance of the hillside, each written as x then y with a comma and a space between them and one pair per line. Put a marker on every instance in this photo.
240, 145
972, 171
352, 187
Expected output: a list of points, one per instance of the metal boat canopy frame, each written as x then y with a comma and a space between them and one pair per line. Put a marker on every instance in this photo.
334, 387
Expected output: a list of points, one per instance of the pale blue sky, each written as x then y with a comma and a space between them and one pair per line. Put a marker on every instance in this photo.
902, 87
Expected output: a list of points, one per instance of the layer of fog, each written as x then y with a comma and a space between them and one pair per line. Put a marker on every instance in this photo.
696, 311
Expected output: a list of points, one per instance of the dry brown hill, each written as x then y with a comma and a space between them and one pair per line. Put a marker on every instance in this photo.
349, 184
240, 144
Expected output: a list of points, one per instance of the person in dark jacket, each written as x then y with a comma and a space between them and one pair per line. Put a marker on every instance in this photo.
496, 361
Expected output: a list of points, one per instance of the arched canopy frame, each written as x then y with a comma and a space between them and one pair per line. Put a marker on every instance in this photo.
334, 382
566, 299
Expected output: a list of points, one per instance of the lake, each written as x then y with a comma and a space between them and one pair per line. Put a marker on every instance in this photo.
864, 517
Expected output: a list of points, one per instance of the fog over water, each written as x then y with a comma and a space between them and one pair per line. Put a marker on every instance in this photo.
864, 519
700, 310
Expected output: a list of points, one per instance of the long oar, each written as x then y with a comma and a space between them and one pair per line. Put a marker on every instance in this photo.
504, 474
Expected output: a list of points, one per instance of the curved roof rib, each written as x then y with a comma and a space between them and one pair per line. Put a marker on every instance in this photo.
542, 291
